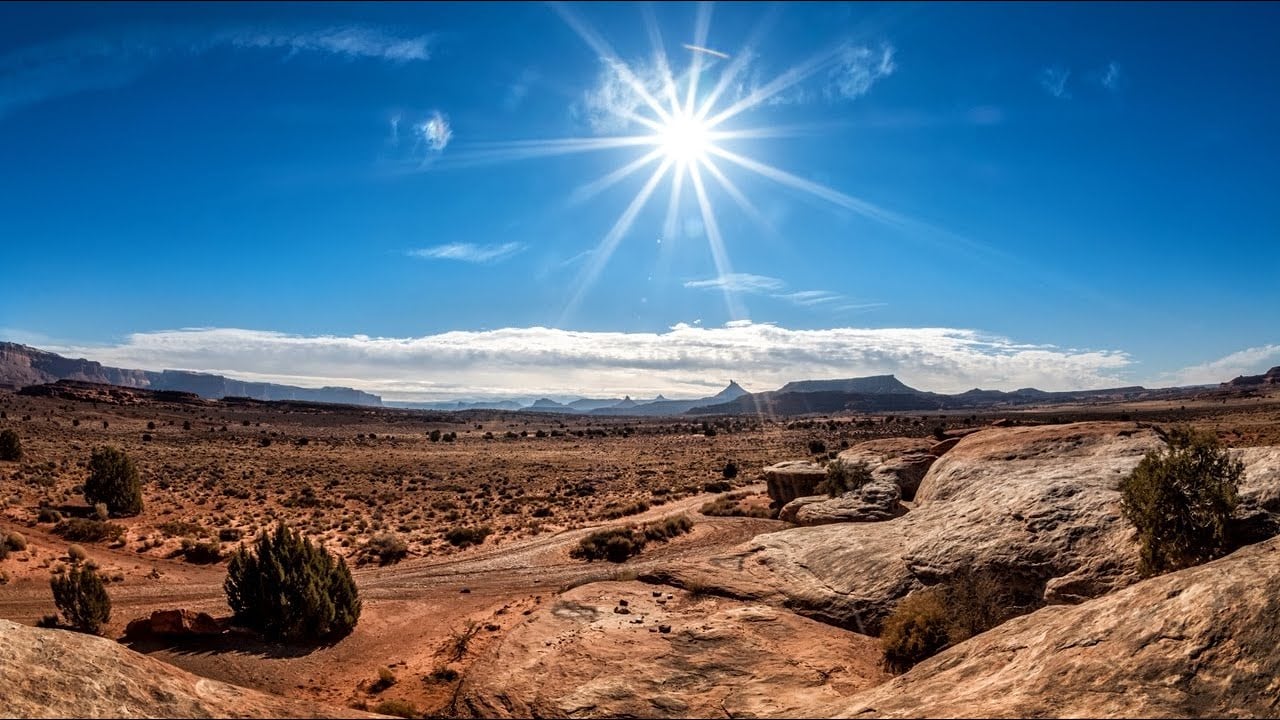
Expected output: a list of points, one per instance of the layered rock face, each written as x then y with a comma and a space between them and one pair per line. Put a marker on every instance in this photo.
792, 479
59, 673
1036, 506
666, 653
1200, 642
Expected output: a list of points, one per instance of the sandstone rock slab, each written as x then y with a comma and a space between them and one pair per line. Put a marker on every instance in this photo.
577, 658
59, 673
1200, 642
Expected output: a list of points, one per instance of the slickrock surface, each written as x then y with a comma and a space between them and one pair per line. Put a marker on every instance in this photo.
59, 673
1201, 642
580, 657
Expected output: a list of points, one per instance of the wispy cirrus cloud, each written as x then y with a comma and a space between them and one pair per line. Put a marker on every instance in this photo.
435, 132
353, 42
468, 252
749, 284
684, 360
114, 57
1111, 76
738, 282
1054, 81
857, 68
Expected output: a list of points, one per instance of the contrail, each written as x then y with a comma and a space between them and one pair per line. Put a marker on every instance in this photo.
709, 51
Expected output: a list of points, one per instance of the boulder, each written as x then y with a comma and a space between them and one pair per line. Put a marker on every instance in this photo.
876, 501
788, 511
686, 656
57, 673
174, 622
1200, 642
792, 479
1036, 506
902, 461
939, 449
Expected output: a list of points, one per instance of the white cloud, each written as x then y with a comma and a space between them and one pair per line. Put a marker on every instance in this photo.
809, 297
468, 252
747, 283
738, 282
1054, 81
1251, 361
112, 57
610, 104
355, 42
1111, 76
684, 361
435, 132
858, 68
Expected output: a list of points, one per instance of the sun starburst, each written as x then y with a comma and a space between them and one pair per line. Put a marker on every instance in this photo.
686, 132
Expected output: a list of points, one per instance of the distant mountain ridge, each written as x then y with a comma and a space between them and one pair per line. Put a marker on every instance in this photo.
21, 366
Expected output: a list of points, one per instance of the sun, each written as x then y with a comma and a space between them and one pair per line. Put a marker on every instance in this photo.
684, 138
685, 130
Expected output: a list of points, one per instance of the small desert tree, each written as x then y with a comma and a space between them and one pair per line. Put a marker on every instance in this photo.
291, 589
113, 480
10, 445
843, 477
1180, 500
81, 597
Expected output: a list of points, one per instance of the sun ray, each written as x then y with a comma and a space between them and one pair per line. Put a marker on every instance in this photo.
773, 87
660, 55
489, 153
673, 205
702, 28
862, 207
591, 189
600, 256
739, 62
718, 253
732, 189
606, 53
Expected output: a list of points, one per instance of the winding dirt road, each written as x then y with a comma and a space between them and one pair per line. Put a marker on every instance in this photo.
411, 609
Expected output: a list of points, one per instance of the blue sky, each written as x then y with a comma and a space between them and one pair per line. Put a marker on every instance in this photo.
995, 195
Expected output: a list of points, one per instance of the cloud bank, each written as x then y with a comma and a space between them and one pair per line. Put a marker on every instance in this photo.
683, 361
1251, 361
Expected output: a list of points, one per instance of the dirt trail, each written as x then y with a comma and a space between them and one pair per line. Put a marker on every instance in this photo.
410, 609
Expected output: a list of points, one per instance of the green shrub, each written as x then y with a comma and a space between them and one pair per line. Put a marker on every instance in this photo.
618, 544
730, 470
291, 589
464, 537
81, 597
15, 541
47, 514
388, 549
1180, 500
113, 480
717, 486
729, 506
85, 530
615, 510
10, 446
916, 630
843, 477
935, 618
201, 552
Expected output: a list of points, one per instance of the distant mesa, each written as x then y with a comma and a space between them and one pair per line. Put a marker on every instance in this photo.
23, 366
1270, 377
